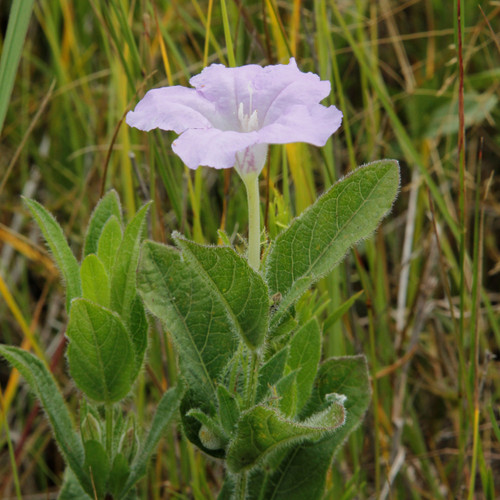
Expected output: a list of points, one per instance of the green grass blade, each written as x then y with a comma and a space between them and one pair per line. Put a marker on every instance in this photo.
20, 15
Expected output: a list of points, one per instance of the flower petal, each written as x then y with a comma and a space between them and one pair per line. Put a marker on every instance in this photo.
281, 86
227, 88
212, 147
311, 124
171, 108
268, 90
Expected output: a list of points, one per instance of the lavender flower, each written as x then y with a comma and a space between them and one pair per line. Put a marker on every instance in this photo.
232, 114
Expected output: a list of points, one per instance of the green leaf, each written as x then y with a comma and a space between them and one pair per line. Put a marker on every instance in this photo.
100, 353
63, 255
270, 373
444, 118
305, 353
174, 292
311, 461
262, 431
108, 206
228, 409
109, 243
123, 287
138, 330
95, 281
71, 489
239, 288
166, 409
228, 487
193, 400
286, 389
97, 465
43, 385
341, 310
118, 475
211, 434
317, 241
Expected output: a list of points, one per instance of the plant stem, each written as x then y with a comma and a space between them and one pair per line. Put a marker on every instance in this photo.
252, 377
241, 486
109, 429
251, 182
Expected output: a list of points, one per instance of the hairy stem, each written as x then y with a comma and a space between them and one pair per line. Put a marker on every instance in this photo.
109, 428
241, 486
251, 182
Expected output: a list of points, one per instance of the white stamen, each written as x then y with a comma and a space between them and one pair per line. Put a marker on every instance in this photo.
253, 121
250, 121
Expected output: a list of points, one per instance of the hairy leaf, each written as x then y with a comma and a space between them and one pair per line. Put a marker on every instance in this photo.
100, 352
63, 255
109, 243
95, 281
262, 431
108, 206
317, 241
43, 385
174, 291
228, 409
239, 288
270, 373
192, 426
123, 285
305, 352
97, 465
310, 461
167, 408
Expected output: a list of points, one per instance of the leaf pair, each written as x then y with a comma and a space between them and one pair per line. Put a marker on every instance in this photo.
107, 327
209, 299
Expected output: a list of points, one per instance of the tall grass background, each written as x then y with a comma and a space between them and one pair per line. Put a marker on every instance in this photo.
417, 80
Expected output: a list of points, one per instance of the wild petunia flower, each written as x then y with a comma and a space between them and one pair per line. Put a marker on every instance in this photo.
232, 114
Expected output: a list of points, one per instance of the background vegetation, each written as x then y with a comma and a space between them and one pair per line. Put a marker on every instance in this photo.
415, 80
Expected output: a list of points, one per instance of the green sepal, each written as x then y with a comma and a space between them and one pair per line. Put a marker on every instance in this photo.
108, 206
65, 260
318, 239
95, 281
262, 431
100, 352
